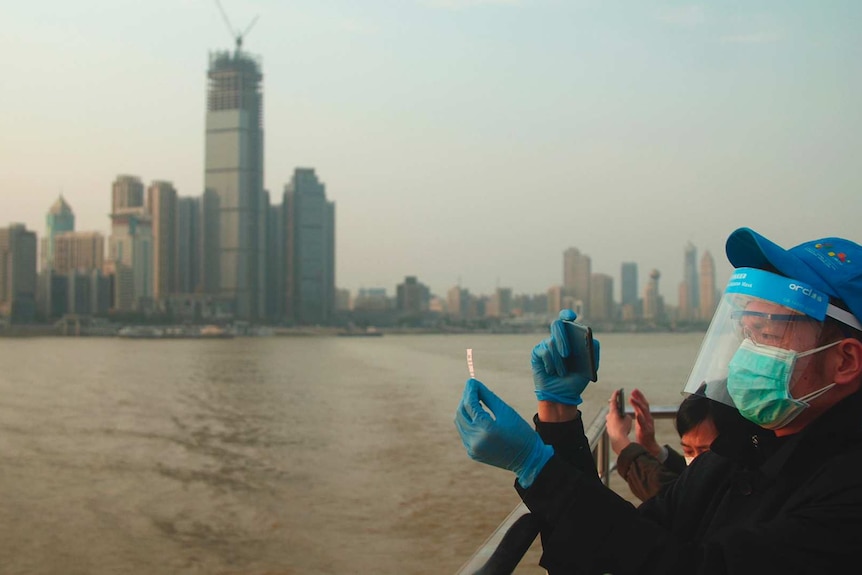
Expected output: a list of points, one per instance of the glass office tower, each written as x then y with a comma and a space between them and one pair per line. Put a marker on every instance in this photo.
235, 218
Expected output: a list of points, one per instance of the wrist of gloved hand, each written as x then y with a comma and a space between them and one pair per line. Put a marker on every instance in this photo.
568, 399
533, 464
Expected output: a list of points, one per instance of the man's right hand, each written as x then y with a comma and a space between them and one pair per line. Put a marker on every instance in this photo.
499, 436
552, 380
644, 424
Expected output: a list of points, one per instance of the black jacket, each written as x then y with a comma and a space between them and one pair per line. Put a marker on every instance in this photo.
645, 474
753, 504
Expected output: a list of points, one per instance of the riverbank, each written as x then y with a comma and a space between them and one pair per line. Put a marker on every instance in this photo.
28, 331
24, 331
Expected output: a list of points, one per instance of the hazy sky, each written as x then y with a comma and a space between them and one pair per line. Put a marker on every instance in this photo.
461, 140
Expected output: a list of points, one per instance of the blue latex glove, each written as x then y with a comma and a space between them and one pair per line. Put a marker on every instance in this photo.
552, 380
500, 438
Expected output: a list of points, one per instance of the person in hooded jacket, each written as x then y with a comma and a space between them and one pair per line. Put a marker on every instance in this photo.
647, 467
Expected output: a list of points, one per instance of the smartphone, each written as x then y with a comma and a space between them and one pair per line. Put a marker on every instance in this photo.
582, 356
621, 401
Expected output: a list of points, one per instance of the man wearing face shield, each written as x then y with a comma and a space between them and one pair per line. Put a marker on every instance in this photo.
779, 493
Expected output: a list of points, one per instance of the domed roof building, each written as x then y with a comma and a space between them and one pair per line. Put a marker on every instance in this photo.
60, 207
60, 218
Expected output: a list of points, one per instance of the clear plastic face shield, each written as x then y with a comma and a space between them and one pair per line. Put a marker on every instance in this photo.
763, 334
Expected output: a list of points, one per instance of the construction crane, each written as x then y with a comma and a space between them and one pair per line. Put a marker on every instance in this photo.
236, 34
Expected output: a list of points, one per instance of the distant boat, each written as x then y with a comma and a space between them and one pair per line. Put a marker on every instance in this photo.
141, 332
214, 332
179, 332
174, 332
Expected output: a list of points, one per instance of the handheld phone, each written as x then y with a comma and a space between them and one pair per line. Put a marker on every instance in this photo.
582, 356
621, 401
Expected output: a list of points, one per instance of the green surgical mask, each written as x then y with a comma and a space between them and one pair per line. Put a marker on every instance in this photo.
758, 381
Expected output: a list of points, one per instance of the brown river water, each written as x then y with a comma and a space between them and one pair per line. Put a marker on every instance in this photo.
265, 456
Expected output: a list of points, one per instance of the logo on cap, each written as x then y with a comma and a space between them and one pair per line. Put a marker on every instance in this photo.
840, 256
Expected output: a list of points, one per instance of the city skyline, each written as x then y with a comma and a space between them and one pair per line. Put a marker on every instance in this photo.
493, 136
149, 201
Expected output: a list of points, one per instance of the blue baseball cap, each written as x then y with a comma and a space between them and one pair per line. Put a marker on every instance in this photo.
830, 265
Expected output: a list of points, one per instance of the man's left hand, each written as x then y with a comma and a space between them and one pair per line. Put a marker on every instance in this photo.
500, 438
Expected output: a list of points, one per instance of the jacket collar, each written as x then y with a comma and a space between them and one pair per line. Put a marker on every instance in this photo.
753, 446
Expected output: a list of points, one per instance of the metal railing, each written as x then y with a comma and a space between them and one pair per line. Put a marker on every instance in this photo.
503, 550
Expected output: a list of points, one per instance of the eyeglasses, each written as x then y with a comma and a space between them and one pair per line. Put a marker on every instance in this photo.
767, 328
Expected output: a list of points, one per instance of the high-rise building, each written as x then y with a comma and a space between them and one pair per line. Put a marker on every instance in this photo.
412, 296
78, 251
123, 296
458, 302
708, 294
629, 291
208, 270
71, 279
653, 302
81, 291
162, 206
437, 305
500, 303
531, 304
601, 297
629, 287
275, 261
88, 292
51, 294
130, 245
59, 219
555, 299
127, 192
342, 299
577, 270
309, 249
188, 245
130, 252
372, 299
689, 304
235, 214
18, 273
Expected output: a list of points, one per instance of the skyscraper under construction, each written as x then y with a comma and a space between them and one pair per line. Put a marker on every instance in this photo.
234, 226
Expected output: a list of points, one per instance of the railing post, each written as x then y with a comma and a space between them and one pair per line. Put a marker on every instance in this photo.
603, 457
